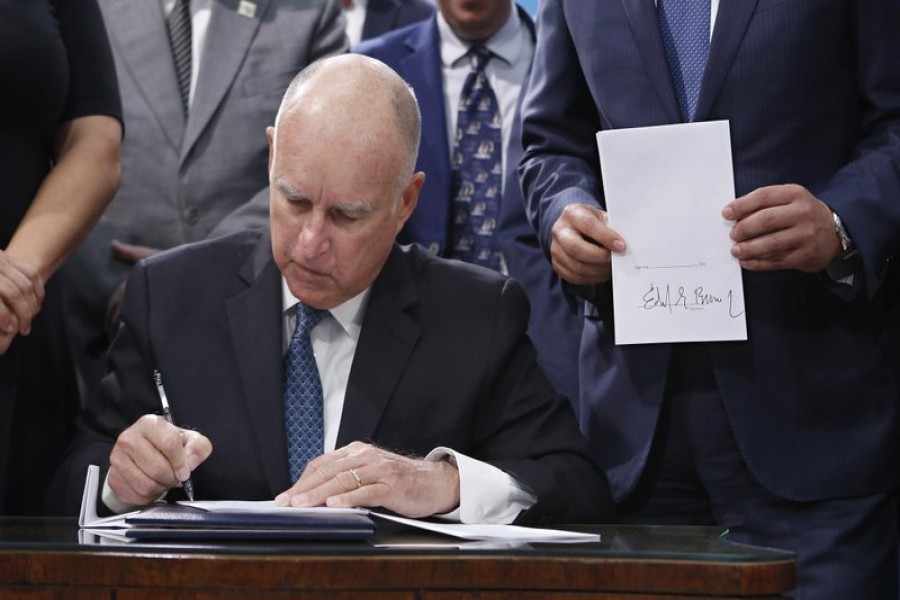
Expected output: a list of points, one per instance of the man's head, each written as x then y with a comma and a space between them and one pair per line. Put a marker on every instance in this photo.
475, 20
341, 161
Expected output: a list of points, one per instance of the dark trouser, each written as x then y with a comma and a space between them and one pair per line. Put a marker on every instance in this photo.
846, 548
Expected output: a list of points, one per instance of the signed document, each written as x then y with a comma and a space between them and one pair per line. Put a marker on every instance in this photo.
665, 189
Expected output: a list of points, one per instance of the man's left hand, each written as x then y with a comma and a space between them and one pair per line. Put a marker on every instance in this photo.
782, 227
360, 474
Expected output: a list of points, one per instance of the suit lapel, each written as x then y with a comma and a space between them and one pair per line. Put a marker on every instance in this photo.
645, 29
388, 337
421, 68
731, 25
228, 40
254, 317
138, 31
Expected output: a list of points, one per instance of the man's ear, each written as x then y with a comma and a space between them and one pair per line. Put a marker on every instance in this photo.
410, 198
270, 135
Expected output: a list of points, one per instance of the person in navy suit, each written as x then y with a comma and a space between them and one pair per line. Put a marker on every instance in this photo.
433, 57
790, 438
431, 397
367, 19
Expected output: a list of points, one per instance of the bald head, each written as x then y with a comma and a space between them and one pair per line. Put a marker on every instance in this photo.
359, 96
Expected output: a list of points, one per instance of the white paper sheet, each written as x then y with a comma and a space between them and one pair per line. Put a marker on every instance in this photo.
665, 188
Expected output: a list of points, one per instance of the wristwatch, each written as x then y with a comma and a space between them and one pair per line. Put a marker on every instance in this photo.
843, 236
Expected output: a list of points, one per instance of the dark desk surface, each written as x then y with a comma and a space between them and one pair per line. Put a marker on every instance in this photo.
43, 558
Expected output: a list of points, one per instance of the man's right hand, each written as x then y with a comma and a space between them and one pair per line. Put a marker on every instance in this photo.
582, 245
153, 456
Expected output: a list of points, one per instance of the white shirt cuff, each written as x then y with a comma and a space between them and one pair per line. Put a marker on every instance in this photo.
486, 494
112, 502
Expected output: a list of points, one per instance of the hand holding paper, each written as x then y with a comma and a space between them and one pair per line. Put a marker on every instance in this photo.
782, 227
153, 456
582, 243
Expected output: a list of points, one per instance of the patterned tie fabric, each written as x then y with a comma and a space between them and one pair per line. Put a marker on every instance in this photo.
303, 418
684, 28
477, 169
178, 24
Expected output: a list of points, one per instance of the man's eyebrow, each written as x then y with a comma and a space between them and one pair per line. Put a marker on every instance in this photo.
356, 206
289, 190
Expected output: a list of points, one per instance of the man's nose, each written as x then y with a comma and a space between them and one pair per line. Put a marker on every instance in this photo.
313, 239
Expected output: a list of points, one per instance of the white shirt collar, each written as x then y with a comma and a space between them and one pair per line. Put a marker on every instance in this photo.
349, 314
505, 43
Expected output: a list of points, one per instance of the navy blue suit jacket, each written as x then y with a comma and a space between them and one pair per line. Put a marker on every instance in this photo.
414, 52
811, 89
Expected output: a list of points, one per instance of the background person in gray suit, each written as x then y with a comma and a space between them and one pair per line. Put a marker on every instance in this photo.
195, 113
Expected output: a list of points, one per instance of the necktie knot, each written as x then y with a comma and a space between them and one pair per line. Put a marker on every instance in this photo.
480, 57
307, 318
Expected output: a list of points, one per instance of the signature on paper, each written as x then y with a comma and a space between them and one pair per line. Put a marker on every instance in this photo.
676, 297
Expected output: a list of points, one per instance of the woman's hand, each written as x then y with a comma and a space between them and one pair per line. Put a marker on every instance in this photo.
21, 296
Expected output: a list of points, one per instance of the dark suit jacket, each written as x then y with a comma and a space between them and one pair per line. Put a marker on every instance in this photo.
383, 16
811, 89
414, 52
442, 360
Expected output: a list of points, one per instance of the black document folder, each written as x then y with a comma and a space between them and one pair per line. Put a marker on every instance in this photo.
179, 522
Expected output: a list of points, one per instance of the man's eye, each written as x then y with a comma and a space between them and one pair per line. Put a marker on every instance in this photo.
345, 217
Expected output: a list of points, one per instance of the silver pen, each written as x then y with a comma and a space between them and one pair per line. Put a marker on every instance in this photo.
167, 415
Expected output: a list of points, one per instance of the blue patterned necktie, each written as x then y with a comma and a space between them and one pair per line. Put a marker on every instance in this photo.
303, 418
684, 28
477, 169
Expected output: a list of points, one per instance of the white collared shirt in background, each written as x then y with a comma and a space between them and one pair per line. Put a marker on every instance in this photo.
356, 19
512, 47
487, 494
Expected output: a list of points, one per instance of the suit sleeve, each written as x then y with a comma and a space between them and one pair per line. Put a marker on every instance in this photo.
866, 191
560, 163
530, 432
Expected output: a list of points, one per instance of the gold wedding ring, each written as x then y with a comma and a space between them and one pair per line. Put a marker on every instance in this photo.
356, 477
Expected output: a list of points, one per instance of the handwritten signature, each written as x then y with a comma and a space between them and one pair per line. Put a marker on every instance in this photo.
674, 298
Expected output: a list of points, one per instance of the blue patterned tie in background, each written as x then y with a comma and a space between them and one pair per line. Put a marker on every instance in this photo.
303, 418
684, 28
477, 169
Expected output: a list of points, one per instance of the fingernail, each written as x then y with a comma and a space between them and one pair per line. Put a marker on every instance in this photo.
193, 461
299, 500
281, 499
728, 213
619, 246
182, 474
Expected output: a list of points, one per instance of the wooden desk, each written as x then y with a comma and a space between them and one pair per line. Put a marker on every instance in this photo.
42, 559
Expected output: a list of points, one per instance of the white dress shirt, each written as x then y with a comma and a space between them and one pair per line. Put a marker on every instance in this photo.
487, 494
512, 47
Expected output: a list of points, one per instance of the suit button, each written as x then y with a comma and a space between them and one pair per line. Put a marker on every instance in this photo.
192, 215
434, 247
